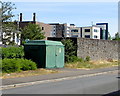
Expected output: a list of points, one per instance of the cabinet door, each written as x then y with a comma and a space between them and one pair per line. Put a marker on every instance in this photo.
50, 57
59, 56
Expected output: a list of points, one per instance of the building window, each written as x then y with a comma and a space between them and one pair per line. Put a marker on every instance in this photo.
87, 36
74, 30
87, 30
95, 36
95, 30
74, 35
42, 28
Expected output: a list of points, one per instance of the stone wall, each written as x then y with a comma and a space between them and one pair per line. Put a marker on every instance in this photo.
95, 48
98, 49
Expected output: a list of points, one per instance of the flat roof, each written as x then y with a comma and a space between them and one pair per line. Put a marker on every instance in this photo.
43, 42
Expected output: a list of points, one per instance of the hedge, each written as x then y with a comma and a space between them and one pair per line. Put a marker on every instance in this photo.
17, 65
12, 52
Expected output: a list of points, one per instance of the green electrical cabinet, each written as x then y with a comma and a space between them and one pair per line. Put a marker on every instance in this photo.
47, 54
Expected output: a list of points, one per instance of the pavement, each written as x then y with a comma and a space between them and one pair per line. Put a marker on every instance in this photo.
66, 73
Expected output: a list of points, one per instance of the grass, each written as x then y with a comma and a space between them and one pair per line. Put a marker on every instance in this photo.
40, 71
91, 64
77, 65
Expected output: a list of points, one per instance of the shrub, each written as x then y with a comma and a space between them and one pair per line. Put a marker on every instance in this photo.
12, 52
72, 59
17, 65
80, 59
70, 50
0, 65
10, 65
27, 64
87, 58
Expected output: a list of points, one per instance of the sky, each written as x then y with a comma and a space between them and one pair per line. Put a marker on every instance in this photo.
79, 13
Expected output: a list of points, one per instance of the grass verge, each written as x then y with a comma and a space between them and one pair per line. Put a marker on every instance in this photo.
40, 71
91, 64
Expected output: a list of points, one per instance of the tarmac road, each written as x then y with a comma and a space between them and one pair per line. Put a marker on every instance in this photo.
100, 84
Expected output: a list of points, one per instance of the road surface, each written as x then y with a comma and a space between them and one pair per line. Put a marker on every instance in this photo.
100, 84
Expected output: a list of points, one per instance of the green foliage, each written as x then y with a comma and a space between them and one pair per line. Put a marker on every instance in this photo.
0, 65
10, 65
12, 52
76, 59
80, 60
72, 58
27, 64
6, 10
109, 36
32, 32
70, 50
17, 65
87, 58
117, 36
8, 27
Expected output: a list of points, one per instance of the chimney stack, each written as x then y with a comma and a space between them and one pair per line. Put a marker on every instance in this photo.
34, 17
20, 17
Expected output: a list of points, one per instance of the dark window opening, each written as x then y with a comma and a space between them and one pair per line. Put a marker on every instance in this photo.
87, 36
42, 28
95, 30
95, 36
87, 30
74, 35
75, 30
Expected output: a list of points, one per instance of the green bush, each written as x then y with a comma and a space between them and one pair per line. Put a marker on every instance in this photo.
72, 59
17, 65
27, 64
80, 59
87, 58
12, 52
76, 59
0, 65
70, 50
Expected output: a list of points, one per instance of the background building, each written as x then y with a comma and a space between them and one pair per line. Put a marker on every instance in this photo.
10, 33
103, 30
72, 31
98, 31
46, 28
58, 30
92, 32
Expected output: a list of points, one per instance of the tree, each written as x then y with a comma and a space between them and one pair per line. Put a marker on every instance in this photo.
8, 27
6, 11
117, 36
32, 32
